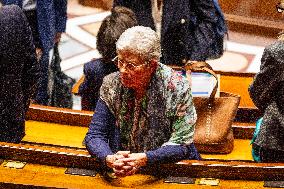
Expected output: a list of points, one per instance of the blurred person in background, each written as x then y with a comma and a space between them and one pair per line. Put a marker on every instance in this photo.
19, 72
112, 27
267, 93
47, 19
189, 29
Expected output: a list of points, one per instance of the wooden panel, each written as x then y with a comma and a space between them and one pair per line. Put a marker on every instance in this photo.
238, 85
59, 115
104, 4
73, 136
260, 9
243, 126
257, 17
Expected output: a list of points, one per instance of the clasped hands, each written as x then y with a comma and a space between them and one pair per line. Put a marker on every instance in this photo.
125, 163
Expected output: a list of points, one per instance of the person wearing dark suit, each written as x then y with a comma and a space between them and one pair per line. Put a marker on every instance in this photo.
111, 28
47, 19
94, 72
142, 10
187, 30
19, 72
267, 93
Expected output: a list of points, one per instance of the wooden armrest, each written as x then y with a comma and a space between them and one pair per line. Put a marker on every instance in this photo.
76, 86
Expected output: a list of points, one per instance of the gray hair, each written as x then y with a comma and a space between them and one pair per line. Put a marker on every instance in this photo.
140, 40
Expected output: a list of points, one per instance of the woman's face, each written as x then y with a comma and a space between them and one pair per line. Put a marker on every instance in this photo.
135, 72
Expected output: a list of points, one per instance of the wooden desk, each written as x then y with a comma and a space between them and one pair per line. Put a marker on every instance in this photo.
50, 176
68, 157
56, 144
46, 144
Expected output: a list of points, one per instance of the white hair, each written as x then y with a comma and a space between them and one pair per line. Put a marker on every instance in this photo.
140, 40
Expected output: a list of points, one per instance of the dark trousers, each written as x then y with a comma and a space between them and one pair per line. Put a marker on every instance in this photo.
41, 94
42, 88
268, 155
32, 20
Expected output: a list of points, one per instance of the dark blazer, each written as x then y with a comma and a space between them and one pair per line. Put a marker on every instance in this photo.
267, 92
179, 24
89, 90
51, 15
142, 10
19, 72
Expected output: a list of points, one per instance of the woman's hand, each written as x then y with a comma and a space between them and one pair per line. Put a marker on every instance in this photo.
124, 163
111, 159
140, 159
132, 163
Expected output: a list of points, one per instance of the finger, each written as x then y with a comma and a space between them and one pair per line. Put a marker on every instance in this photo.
131, 163
118, 156
131, 172
119, 172
118, 165
127, 168
124, 160
124, 153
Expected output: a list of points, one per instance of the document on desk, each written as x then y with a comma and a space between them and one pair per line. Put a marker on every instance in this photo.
202, 84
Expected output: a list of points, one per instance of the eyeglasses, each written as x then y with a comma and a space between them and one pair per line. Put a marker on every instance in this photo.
127, 65
279, 8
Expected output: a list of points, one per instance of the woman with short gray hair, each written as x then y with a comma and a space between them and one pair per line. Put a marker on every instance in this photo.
140, 42
145, 114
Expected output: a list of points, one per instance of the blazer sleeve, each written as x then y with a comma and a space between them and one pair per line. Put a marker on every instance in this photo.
264, 87
206, 18
60, 15
90, 80
98, 136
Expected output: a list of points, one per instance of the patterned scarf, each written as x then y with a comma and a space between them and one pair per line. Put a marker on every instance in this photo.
132, 120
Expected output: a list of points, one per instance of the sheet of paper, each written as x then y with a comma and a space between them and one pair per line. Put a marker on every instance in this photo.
202, 84
14, 164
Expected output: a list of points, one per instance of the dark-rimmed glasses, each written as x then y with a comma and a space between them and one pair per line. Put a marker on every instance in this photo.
127, 65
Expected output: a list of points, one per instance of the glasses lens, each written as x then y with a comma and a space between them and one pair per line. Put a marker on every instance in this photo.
130, 67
